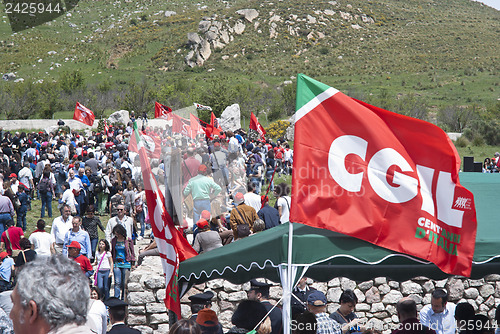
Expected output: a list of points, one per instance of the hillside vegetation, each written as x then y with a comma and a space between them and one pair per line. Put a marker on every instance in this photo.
433, 59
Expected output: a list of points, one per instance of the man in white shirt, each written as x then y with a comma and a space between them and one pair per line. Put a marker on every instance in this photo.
26, 176
60, 226
251, 198
43, 242
440, 315
121, 219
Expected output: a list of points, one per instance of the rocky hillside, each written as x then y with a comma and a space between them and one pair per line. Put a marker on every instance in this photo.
437, 45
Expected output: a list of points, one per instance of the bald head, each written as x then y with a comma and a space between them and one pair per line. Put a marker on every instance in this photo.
407, 308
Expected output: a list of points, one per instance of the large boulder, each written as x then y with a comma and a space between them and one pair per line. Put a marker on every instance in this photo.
248, 14
119, 117
230, 120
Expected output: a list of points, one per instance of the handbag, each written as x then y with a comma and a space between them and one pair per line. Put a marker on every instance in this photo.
242, 229
99, 266
15, 252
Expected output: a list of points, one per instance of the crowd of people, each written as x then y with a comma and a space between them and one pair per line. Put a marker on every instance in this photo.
225, 182
80, 177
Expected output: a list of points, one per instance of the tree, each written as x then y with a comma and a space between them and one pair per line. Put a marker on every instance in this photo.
139, 97
456, 118
71, 81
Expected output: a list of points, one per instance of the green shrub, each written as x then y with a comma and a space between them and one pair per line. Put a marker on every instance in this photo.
461, 142
71, 81
478, 141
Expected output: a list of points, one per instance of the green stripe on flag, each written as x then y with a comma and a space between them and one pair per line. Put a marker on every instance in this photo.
307, 89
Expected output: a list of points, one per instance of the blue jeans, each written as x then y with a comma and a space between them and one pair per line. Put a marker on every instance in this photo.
21, 219
140, 218
103, 282
269, 175
121, 275
80, 199
4, 217
199, 206
46, 197
93, 245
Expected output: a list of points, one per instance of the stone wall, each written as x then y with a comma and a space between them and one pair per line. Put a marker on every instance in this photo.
377, 298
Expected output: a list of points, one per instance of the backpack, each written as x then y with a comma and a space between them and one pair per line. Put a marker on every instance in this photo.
44, 185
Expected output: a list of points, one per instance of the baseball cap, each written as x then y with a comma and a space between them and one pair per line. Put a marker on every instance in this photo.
205, 214
75, 244
202, 223
239, 198
207, 318
316, 298
202, 168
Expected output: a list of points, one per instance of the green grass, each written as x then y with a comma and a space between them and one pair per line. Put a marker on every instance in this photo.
34, 214
478, 152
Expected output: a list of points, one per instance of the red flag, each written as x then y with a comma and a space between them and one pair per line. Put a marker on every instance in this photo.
162, 111
379, 176
172, 245
83, 114
255, 125
195, 126
180, 125
106, 127
151, 143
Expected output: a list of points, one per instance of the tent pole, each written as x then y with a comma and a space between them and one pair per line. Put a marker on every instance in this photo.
287, 297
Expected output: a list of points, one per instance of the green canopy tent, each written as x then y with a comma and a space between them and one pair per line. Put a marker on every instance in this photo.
325, 254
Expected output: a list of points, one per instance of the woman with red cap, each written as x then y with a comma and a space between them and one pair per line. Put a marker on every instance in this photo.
206, 239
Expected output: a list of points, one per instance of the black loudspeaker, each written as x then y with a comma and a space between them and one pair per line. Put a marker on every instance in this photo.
478, 167
468, 164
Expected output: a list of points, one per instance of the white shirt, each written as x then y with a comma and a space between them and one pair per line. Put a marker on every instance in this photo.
42, 242
97, 316
75, 183
284, 203
253, 200
442, 323
127, 222
25, 175
68, 197
59, 228
105, 262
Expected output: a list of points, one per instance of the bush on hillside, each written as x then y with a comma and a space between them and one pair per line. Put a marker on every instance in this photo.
461, 142
277, 129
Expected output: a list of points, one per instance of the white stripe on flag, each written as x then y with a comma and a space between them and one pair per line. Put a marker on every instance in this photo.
317, 100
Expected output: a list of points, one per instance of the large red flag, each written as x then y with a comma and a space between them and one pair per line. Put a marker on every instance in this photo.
162, 111
172, 245
180, 125
195, 126
379, 176
83, 114
152, 144
255, 125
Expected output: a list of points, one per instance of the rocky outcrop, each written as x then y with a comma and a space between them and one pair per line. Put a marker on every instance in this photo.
217, 32
230, 119
119, 117
248, 14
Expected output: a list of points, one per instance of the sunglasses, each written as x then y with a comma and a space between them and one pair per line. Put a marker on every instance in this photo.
120, 209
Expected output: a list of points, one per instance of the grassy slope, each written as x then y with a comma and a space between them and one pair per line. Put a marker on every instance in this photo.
442, 50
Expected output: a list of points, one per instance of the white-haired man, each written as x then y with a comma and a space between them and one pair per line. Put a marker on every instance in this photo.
51, 296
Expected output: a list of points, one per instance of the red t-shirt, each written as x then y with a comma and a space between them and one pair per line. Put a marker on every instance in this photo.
84, 263
15, 234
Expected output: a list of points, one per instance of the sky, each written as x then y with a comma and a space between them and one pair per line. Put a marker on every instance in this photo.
491, 3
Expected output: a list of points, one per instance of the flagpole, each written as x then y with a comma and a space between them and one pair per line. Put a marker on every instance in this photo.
287, 299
